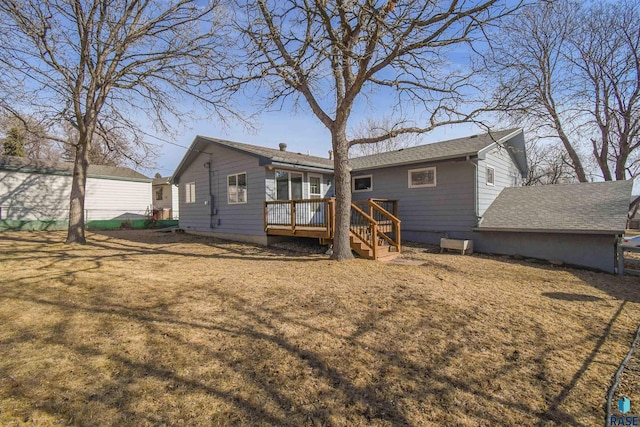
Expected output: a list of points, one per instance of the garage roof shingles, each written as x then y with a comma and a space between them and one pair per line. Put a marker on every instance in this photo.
598, 207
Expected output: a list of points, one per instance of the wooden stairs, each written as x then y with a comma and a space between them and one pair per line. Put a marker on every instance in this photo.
374, 229
374, 232
383, 251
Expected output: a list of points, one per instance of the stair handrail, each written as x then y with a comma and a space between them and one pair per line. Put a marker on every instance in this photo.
395, 220
374, 230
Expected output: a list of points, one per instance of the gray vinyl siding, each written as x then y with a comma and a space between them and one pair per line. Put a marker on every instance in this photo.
584, 250
428, 213
506, 175
243, 218
45, 197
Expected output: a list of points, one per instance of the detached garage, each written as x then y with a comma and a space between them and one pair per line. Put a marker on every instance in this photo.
577, 224
35, 194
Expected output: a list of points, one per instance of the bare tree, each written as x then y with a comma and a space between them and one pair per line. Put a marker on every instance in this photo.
548, 164
332, 55
534, 81
607, 56
571, 70
99, 64
372, 128
110, 147
32, 135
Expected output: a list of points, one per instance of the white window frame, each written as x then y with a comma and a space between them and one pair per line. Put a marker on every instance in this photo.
353, 183
493, 176
190, 192
315, 195
246, 189
411, 171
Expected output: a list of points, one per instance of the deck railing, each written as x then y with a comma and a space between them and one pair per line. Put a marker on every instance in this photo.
382, 216
374, 221
303, 214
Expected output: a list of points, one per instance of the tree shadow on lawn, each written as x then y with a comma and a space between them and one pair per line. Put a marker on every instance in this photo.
157, 243
262, 365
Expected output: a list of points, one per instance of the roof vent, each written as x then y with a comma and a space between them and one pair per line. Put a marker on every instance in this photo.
283, 146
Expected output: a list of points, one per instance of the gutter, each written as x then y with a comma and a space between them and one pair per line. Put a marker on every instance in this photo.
476, 198
298, 167
551, 231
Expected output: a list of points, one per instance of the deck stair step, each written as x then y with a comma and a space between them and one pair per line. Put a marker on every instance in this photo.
384, 252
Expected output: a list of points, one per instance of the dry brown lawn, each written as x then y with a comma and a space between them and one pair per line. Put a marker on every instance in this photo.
144, 328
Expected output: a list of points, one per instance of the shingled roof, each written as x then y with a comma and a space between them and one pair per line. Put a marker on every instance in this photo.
592, 208
21, 164
451, 149
275, 155
266, 156
512, 139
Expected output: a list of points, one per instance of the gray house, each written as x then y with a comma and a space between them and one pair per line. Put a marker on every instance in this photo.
224, 186
576, 224
250, 193
443, 188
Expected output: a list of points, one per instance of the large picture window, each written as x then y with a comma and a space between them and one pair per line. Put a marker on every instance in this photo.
190, 192
237, 188
362, 183
425, 177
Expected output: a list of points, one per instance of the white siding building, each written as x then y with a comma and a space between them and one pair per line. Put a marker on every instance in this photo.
37, 191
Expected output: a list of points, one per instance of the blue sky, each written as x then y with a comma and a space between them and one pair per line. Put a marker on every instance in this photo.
301, 131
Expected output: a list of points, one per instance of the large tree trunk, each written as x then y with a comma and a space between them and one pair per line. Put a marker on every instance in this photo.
623, 156
576, 163
75, 233
342, 178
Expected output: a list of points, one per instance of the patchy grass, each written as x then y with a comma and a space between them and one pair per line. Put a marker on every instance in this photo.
147, 328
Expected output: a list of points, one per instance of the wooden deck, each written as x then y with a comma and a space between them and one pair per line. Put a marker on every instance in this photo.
374, 230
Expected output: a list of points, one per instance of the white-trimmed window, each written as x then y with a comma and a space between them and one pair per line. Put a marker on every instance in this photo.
315, 186
237, 188
362, 183
190, 192
491, 175
424, 177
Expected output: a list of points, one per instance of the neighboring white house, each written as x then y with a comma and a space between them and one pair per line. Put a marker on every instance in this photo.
165, 199
37, 191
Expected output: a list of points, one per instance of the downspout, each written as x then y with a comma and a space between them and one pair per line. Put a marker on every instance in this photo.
211, 198
476, 201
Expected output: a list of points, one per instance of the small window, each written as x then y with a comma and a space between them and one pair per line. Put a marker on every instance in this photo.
425, 177
315, 186
491, 175
237, 188
362, 183
159, 194
190, 192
